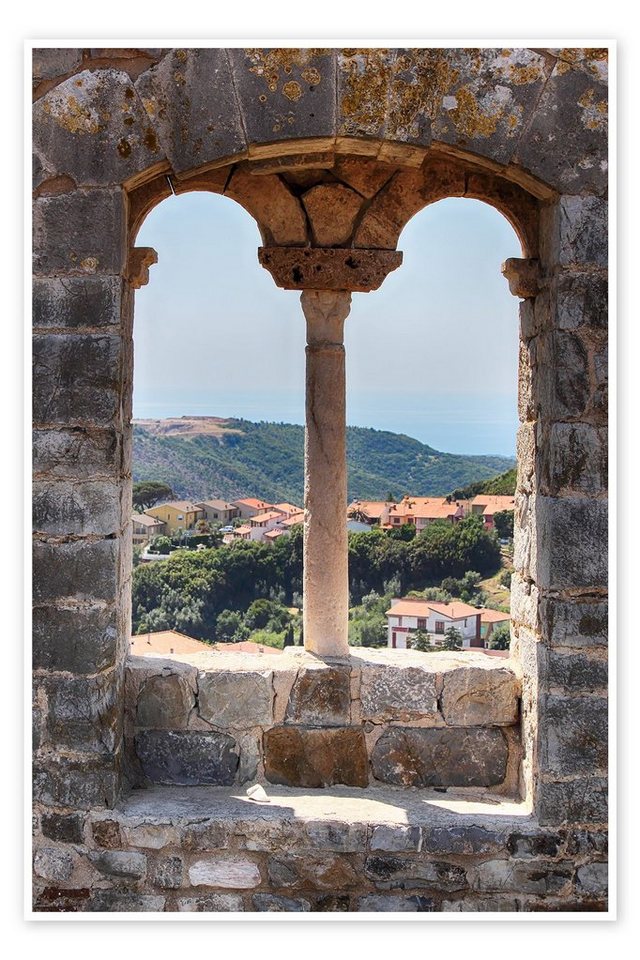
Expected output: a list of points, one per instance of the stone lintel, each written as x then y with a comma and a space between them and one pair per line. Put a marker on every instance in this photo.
523, 276
309, 268
138, 263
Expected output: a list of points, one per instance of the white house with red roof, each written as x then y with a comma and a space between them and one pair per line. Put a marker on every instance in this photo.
487, 505
408, 614
422, 511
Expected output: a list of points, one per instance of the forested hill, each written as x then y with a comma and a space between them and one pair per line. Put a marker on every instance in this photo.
211, 457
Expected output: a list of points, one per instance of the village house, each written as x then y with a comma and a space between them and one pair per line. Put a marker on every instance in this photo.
248, 507
406, 615
144, 528
489, 620
218, 511
177, 515
487, 505
371, 512
422, 511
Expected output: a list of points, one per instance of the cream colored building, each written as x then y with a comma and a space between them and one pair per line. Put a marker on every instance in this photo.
178, 515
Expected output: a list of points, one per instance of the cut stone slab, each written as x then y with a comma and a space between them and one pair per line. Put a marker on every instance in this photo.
476, 697
184, 757
229, 873
242, 699
396, 693
302, 757
321, 696
164, 703
419, 757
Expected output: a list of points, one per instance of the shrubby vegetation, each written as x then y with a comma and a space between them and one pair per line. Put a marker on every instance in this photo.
227, 593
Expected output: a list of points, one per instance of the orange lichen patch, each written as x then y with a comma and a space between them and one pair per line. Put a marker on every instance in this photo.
292, 90
469, 119
520, 75
596, 53
410, 100
90, 264
311, 75
124, 147
594, 112
562, 67
367, 75
68, 112
269, 63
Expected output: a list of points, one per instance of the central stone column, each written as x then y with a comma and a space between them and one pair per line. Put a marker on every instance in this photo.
325, 574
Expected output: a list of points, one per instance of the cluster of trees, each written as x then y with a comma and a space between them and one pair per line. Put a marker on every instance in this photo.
193, 590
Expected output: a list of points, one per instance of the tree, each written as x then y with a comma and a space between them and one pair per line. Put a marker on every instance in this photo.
230, 628
503, 522
500, 637
421, 641
203, 526
149, 492
288, 637
160, 545
452, 639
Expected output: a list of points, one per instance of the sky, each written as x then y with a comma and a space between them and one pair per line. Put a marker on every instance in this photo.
432, 353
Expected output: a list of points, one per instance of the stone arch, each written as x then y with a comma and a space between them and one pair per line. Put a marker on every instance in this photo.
372, 135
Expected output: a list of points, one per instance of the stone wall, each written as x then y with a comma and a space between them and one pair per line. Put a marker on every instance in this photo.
383, 717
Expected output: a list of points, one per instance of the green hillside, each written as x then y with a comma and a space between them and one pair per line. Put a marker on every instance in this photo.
503, 485
207, 456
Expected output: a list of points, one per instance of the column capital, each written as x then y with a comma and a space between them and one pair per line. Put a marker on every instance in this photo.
325, 312
328, 268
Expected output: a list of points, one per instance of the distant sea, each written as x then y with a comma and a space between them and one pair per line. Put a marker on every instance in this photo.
453, 423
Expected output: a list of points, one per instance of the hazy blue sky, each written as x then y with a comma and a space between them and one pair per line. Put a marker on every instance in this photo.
431, 354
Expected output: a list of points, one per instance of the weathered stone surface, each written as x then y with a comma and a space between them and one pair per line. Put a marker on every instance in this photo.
216, 903
301, 757
208, 835
464, 839
53, 863
80, 640
50, 62
230, 872
574, 624
306, 268
392, 873
153, 836
332, 209
313, 872
593, 878
236, 700
522, 846
89, 507
571, 543
94, 128
85, 371
190, 100
268, 903
378, 903
116, 901
580, 300
480, 697
563, 381
574, 459
331, 904
394, 839
576, 104
84, 570
77, 302
81, 453
268, 199
440, 758
365, 176
80, 233
397, 693
66, 828
582, 236
164, 703
575, 733
320, 696
576, 672
587, 842
523, 276
335, 835
82, 712
580, 800
167, 873
187, 757
285, 93
106, 833
57, 900
120, 863
540, 877
363, 79
485, 905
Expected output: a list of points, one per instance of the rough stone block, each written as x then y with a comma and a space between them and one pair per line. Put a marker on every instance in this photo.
82, 712
106, 833
335, 836
80, 640
269, 903
285, 93
574, 459
575, 672
228, 873
580, 800
582, 231
167, 873
215, 903
522, 846
241, 699
538, 877
313, 872
302, 757
76, 378
581, 843
575, 733
77, 302
186, 757
120, 863
562, 379
57, 900
571, 543
332, 209
78, 453
53, 863
379, 903
465, 839
275, 207
574, 624
85, 507
393, 839
397, 693
320, 696
65, 828
50, 62
593, 879
580, 300
94, 128
164, 703
153, 836
84, 570
190, 99
80, 233
458, 757
79, 784
331, 904
391, 873
208, 835
480, 697
117, 901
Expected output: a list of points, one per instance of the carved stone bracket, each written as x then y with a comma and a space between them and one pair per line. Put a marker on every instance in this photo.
309, 268
140, 259
523, 276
